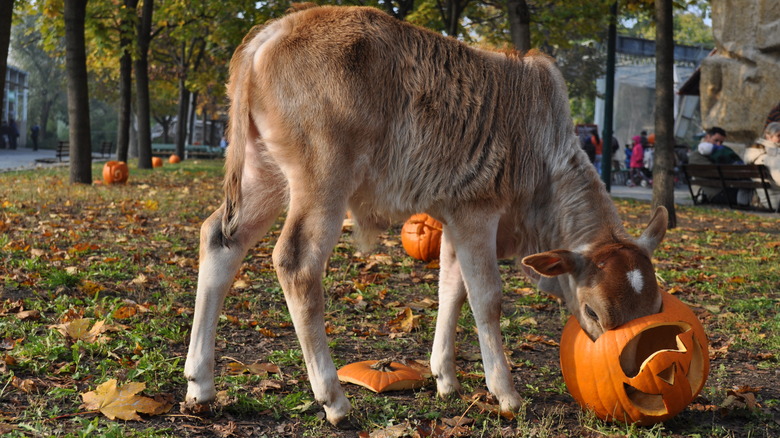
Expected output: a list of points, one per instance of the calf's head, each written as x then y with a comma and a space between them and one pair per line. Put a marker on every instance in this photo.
609, 283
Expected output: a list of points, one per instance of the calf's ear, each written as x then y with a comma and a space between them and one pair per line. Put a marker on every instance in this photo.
553, 263
655, 231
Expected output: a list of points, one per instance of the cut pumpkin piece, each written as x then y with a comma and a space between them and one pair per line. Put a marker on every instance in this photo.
381, 375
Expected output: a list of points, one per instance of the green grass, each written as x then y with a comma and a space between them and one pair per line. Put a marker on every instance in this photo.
78, 251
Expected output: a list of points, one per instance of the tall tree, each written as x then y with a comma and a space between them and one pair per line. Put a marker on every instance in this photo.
80, 136
663, 162
126, 32
46, 82
519, 24
6, 17
451, 11
143, 105
190, 57
398, 8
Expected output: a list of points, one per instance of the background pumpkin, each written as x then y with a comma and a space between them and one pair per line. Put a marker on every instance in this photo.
157, 162
173, 159
421, 237
645, 371
115, 172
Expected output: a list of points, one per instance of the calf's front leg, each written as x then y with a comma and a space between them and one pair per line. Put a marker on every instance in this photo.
474, 238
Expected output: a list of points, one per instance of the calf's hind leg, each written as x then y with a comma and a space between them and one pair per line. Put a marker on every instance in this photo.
310, 232
220, 258
452, 295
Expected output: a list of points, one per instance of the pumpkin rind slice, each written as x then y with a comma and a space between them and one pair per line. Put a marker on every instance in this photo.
391, 376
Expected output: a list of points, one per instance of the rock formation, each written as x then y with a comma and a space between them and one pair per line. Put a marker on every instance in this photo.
740, 83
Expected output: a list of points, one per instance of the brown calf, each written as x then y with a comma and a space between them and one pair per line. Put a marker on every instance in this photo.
347, 108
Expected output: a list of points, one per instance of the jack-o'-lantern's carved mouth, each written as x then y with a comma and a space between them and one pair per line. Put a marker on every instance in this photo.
656, 361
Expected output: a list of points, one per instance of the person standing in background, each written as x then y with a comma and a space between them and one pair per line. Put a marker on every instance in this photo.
35, 131
13, 133
598, 145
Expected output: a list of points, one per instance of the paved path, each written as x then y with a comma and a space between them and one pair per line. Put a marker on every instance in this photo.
23, 158
19, 159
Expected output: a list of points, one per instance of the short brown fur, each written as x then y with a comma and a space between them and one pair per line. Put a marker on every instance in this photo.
347, 108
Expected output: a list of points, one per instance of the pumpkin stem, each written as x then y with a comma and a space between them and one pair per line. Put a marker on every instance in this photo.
383, 365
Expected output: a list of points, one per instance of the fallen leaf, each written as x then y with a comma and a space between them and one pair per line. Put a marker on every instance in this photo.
120, 402
405, 321
125, 312
28, 315
25, 385
396, 431
425, 303
266, 385
78, 329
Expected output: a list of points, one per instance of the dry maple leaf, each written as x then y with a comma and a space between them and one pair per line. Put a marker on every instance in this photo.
405, 321
120, 402
78, 329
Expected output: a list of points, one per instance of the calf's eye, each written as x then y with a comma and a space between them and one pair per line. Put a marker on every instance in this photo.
591, 313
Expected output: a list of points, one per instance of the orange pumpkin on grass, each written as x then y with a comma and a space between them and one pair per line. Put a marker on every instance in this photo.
115, 172
645, 371
173, 159
157, 162
421, 237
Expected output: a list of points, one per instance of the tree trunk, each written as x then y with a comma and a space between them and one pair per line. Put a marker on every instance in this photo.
193, 109
519, 24
450, 11
125, 86
182, 119
663, 163
46, 105
204, 128
142, 87
6, 16
399, 9
78, 92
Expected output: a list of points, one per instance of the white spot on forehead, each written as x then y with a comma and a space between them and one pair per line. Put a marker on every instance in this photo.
636, 280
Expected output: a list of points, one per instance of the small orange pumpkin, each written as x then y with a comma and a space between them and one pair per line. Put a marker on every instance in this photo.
645, 371
157, 162
173, 159
381, 375
115, 172
421, 237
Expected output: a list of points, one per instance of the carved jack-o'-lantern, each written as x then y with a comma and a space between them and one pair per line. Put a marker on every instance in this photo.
645, 371
421, 237
115, 172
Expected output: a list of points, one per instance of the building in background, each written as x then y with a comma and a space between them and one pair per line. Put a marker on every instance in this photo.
15, 101
634, 105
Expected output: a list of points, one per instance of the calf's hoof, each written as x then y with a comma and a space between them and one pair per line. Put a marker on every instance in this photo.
199, 394
447, 387
511, 402
337, 410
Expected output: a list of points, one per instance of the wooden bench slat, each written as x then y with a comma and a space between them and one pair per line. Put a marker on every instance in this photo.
729, 176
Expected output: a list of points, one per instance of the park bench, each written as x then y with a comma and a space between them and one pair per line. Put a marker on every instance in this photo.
191, 151
729, 176
63, 150
105, 149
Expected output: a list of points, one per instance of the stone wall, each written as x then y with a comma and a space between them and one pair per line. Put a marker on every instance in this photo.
740, 83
